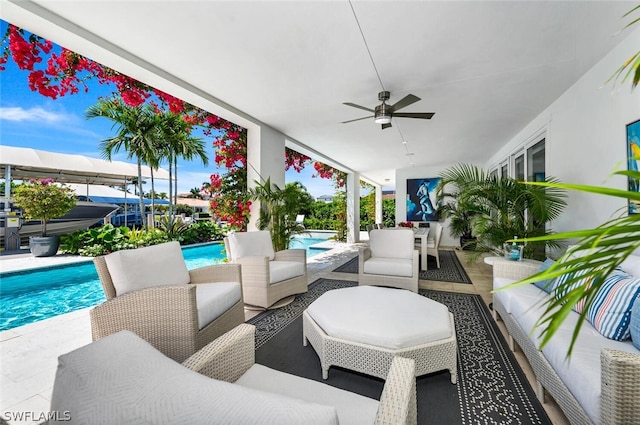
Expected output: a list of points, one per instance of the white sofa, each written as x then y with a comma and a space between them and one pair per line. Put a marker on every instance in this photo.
121, 379
600, 382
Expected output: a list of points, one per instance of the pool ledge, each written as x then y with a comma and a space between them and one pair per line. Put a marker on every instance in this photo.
24, 262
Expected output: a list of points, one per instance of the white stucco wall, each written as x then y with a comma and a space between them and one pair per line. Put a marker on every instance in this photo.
265, 158
586, 138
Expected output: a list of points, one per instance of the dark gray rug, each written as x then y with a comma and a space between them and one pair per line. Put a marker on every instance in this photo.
450, 268
491, 389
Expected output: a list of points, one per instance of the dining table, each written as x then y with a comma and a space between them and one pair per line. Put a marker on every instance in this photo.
422, 233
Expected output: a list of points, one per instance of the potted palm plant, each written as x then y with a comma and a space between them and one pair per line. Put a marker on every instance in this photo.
44, 200
495, 209
460, 211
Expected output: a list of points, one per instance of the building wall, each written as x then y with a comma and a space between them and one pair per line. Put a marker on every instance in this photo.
585, 130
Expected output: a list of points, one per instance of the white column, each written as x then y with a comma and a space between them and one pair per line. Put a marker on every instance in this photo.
378, 203
265, 158
353, 207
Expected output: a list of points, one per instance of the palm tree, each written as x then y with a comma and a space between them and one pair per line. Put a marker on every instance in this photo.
178, 142
194, 192
136, 133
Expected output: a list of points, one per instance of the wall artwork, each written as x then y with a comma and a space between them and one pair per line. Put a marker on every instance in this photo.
421, 199
633, 158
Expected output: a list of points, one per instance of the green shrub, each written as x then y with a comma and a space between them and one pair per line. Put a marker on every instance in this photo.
108, 238
203, 231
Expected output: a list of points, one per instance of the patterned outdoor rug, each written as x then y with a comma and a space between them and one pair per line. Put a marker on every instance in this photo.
491, 389
450, 268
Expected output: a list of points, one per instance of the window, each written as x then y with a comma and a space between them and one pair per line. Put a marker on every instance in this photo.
536, 162
504, 169
518, 165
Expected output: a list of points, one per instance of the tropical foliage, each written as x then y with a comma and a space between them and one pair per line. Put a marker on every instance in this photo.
278, 210
44, 200
56, 71
108, 238
499, 208
136, 133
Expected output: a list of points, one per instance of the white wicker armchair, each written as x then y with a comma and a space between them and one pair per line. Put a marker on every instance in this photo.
150, 292
390, 260
267, 276
126, 381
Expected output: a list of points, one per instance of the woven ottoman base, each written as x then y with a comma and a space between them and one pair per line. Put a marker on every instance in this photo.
376, 361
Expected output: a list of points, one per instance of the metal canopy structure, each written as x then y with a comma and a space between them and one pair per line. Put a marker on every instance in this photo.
26, 163
109, 195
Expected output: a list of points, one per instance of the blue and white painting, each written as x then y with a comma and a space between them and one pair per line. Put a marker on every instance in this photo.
421, 199
633, 157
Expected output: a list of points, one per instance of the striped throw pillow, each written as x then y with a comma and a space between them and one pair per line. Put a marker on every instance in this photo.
610, 312
635, 323
561, 292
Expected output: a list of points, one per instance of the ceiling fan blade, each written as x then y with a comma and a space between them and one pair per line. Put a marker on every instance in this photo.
358, 106
357, 119
405, 101
386, 126
422, 115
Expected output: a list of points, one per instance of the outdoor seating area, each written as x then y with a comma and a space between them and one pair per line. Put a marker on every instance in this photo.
437, 223
429, 356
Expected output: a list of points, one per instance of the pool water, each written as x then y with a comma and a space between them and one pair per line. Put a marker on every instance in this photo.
33, 295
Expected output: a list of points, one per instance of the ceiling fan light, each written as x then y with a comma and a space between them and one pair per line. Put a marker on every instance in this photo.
382, 114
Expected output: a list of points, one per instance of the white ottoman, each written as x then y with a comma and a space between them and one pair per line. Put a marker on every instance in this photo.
362, 328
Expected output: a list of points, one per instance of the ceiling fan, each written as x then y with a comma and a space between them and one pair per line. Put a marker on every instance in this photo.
383, 113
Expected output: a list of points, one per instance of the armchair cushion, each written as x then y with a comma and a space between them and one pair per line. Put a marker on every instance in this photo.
156, 265
389, 266
283, 270
352, 408
246, 244
123, 379
213, 299
388, 243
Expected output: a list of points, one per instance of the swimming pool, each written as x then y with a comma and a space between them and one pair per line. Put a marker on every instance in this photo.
32, 295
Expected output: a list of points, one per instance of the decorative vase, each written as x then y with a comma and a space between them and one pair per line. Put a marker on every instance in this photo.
44, 246
513, 251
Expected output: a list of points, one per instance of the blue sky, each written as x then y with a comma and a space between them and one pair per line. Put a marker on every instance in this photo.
28, 119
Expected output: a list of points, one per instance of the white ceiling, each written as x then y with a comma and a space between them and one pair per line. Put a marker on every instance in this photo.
485, 68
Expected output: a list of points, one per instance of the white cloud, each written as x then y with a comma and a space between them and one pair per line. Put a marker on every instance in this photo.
19, 114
